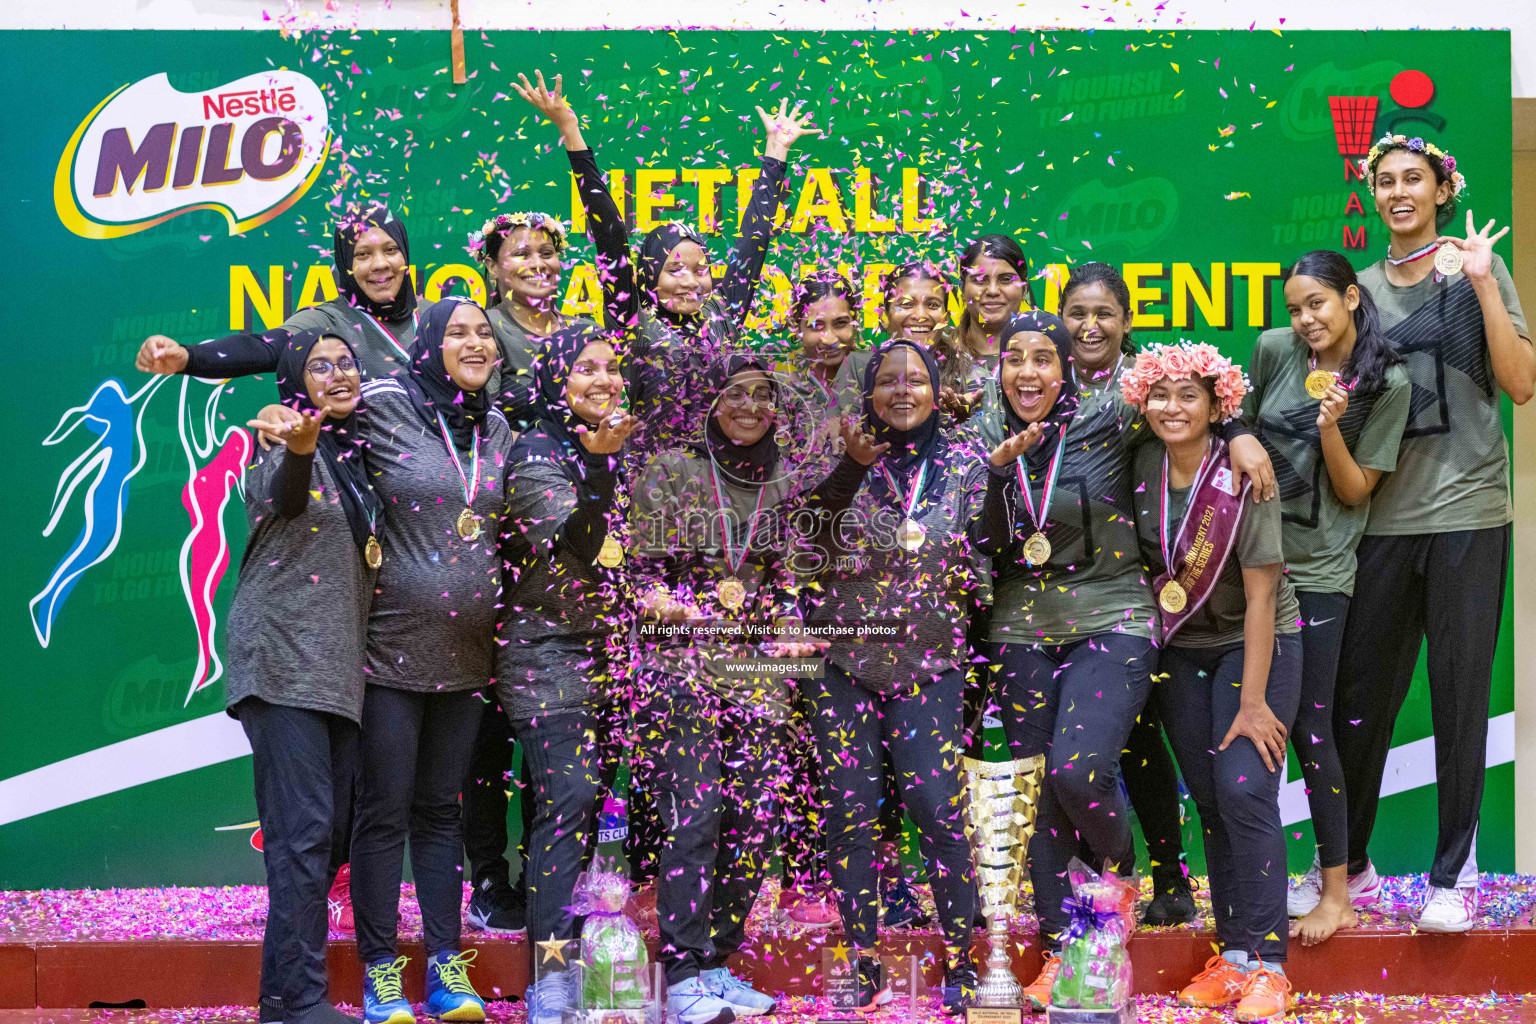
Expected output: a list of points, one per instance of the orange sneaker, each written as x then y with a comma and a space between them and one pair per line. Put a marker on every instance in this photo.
1038, 992
1266, 997
1219, 984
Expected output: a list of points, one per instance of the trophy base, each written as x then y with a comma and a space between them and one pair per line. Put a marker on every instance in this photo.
994, 1015
625, 1015
1123, 1015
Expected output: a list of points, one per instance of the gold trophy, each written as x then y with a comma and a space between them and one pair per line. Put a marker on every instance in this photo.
1000, 818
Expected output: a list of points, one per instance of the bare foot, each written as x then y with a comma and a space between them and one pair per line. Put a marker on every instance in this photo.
1326, 918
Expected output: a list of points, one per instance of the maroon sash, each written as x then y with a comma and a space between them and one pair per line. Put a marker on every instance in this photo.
1206, 536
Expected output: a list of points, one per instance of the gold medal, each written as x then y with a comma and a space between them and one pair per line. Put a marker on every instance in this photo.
468, 525
373, 554
1319, 381
911, 534
1448, 260
611, 554
1037, 550
731, 593
1173, 597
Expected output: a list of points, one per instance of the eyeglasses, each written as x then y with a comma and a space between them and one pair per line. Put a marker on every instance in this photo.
324, 369
737, 397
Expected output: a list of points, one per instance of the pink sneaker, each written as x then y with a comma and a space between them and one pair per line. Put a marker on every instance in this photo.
1365, 888
339, 901
806, 911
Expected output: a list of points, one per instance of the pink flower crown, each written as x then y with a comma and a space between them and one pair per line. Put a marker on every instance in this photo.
1185, 359
503, 223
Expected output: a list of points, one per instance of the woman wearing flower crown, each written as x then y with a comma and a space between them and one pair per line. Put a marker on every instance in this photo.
1230, 662
1436, 547
521, 253
1330, 399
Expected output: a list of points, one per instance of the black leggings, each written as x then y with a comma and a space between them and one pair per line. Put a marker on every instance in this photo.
1152, 783
922, 731
1322, 636
1448, 587
486, 804
1076, 704
714, 770
802, 823
415, 749
1238, 798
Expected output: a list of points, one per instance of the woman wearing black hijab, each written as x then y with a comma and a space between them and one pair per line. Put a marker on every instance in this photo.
295, 666
566, 616
704, 526
437, 452
892, 549
1070, 644
375, 310
665, 297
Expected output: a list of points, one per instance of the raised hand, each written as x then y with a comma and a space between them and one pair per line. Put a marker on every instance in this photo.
859, 445
1017, 445
553, 105
784, 128
1335, 401
610, 434
161, 355
1476, 248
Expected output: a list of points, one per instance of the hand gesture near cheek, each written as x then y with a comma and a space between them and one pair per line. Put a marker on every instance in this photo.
859, 445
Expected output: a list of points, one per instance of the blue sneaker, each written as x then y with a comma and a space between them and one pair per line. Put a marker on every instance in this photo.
692, 1002
450, 996
384, 999
901, 908
548, 997
743, 998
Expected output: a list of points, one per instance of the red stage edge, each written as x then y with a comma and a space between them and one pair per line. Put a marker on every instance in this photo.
175, 973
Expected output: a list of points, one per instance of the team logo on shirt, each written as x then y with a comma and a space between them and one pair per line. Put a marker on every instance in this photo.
149, 152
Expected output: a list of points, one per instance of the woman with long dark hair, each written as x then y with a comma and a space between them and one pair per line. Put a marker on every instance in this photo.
891, 547
994, 287
1329, 400
375, 309
296, 666
1096, 309
1229, 661
1435, 553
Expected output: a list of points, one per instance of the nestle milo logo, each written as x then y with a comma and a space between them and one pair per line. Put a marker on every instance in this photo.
1305, 113
150, 152
1135, 214
152, 694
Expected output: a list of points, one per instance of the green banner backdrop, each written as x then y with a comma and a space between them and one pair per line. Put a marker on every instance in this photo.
185, 183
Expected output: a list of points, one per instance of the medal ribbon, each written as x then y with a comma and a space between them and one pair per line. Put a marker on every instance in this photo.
733, 562
1162, 526
405, 356
917, 487
1038, 518
471, 483
1417, 254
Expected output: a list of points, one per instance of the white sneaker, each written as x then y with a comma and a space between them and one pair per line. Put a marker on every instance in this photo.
1449, 910
1307, 894
1365, 888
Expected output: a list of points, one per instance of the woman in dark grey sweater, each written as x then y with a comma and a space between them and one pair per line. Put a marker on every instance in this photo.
892, 551
437, 454
296, 635
565, 622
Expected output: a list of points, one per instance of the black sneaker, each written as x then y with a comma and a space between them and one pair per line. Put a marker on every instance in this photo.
497, 909
873, 990
269, 1010
902, 911
960, 985
1172, 900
